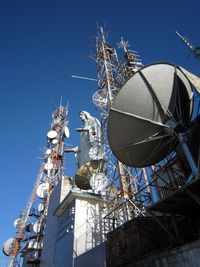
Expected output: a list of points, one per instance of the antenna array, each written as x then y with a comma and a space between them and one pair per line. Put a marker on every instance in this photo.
31, 223
111, 74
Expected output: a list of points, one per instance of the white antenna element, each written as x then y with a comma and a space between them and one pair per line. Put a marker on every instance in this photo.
66, 132
195, 50
186, 41
123, 44
84, 78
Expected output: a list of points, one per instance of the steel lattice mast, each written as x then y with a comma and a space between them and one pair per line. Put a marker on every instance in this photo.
51, 171
107, 63
112, 73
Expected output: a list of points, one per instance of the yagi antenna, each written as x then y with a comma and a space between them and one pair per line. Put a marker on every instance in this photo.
84, 78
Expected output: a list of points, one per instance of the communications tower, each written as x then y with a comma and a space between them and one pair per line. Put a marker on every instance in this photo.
31, 223
112, 73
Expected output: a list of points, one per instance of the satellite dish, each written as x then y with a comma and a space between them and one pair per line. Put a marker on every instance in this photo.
82, 177
40, 207
54, 141
96, 152
52, 134
8, 247
48, 166
37, 227
17, 223
48, 151
142, 118
100, 98
66, 132
42, 189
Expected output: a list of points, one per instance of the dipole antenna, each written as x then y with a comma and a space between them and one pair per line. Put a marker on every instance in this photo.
132, 60
195, 50
84, 78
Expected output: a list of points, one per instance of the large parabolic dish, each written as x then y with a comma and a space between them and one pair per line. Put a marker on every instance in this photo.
154, 102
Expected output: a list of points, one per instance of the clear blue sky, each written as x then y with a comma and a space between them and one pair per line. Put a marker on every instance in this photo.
43, 42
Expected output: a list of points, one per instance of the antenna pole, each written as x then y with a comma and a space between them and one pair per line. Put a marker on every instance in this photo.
108, 74
194, 50
105, 57
49, 175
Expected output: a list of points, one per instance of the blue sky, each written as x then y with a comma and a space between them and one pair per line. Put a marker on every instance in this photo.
42, 44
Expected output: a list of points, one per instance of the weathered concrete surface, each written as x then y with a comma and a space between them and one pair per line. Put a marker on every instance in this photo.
134, 240
143, 243
184, 256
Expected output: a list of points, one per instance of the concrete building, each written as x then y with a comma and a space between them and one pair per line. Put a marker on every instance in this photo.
74, 226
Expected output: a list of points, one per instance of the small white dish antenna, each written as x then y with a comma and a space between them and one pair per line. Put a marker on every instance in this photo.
40, 207
48, 166
66, 132
42, 190
48, 151
54, 141
17, 223
37, 227
100, 98
52, 134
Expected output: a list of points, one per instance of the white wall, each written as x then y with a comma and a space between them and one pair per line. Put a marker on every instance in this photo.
50, 236
76, 231
88, 225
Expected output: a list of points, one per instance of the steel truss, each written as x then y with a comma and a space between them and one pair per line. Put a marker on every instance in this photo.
51, 171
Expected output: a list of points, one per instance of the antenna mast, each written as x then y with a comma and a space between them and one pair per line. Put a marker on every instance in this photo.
110, 73
132, 60
106, 58
195, 50
51, 171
